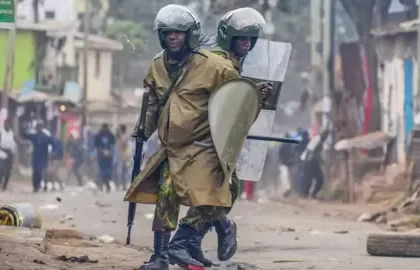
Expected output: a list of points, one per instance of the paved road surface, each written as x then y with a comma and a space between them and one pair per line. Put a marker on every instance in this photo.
269, 234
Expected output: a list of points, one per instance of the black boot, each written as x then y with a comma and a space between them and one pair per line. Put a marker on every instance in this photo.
178, 247
195, 246
159, 259
226, 238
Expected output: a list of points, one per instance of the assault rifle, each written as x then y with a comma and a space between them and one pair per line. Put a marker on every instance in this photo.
137, 159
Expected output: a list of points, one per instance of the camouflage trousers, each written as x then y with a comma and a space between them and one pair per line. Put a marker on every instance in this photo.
234, 190
168, 206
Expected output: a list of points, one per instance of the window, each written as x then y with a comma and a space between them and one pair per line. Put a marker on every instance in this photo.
49, 15
97, 64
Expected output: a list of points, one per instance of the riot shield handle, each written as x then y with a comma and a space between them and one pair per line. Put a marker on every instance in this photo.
272, 139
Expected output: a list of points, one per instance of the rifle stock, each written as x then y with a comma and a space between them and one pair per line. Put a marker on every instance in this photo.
139, 135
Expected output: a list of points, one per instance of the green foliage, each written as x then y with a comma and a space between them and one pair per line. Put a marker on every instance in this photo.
127, 32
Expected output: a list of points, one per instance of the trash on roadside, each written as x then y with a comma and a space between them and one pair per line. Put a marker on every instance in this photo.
63, 234
66, 218
365, 217
73, 259
106, 239
288, 261
368, 217
341, 232
49, 207
314, 232
102, 205
39, 262
20, 215
286, 229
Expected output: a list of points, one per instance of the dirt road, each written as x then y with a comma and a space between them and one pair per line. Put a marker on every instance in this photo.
271, 235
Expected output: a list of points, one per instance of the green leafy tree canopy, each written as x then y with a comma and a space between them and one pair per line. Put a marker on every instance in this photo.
127, 32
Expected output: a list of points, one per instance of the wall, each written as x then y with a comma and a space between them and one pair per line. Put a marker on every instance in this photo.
392, 51
99, 87
24, 57
392, 100
61, 8
65, 58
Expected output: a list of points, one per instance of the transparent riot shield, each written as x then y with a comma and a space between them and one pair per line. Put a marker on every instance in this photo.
267, 62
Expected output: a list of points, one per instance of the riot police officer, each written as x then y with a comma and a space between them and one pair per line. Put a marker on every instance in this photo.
180, 79
237, 33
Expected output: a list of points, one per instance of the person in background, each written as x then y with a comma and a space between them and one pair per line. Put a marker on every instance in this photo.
104, 144
56, 156
299, 149
40, 142
287, 161
90, 153
8, 145
312, 169
304, 140
76, 151
306, 93
124, 156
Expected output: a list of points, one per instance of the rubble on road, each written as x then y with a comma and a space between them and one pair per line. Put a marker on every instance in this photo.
66, 218
370, 217
73, 259
64, 234
23, 248
401, 216
35, 238
341, 232
106, 239
49, 207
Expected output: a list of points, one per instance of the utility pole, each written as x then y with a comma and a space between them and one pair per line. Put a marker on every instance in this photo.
316, 37
331, 64
328, 57
326, 46
8, 21
86, 28
417, 106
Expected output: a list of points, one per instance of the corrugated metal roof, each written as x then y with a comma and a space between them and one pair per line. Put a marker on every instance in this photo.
368, 141
45, 26
396, 28
37, 96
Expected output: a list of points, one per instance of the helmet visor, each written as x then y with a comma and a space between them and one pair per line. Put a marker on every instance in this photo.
175, 17
245, 18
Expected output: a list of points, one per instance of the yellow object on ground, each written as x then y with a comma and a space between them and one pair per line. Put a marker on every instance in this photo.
20, 215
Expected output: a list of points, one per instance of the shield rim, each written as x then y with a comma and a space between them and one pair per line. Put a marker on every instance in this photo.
289, 50
250, 82
253, 86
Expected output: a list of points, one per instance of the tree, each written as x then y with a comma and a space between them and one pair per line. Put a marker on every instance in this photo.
127, 32
132, 35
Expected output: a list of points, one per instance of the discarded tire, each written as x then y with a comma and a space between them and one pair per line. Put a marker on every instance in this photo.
394, 245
